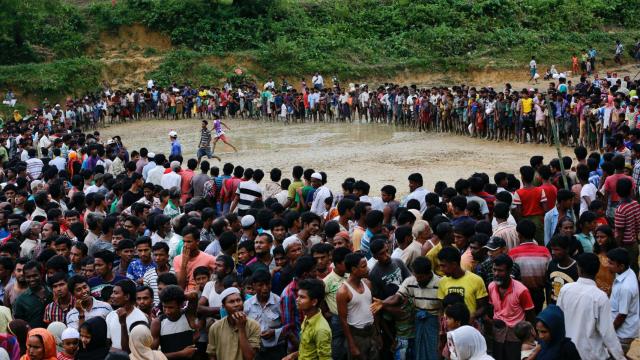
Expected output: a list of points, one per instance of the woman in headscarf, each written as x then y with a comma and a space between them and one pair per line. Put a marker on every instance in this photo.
56, 328
140, 341
466, 343
93, 340
19, 328
551, 335
41, 345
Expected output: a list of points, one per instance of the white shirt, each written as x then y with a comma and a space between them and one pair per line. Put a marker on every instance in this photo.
113, 325
319, 196
418, 194
624, 300
170, 180
149, 84
59, 162
588, 321
532, 64
317, 80
588, 191
154, 175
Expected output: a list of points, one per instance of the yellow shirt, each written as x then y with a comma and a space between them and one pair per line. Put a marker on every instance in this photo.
432, 255
315, 339
527, 105
332, 283
292, 190
470, 286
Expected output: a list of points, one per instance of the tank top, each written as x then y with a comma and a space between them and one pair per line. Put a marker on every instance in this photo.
358, 313
175, 335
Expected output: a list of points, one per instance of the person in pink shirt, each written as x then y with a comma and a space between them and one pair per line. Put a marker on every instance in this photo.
512, 304
185, 184
191, 258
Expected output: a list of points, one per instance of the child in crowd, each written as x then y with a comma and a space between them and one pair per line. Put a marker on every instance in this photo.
70, 340
525, 332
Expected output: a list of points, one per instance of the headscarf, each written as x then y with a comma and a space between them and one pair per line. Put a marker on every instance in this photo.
56, 328
48, 342
19, 329
140, 340
469, 344
553, 318
97, 348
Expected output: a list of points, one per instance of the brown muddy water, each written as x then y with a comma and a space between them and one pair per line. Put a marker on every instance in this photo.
379, 154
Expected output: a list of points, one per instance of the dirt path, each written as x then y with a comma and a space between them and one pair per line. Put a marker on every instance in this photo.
378, 154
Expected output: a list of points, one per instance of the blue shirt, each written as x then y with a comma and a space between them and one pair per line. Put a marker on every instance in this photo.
176, 148
137, 269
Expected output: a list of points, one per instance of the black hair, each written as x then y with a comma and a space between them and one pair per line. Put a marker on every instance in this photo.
168, 279
75, 280
589, 264
619, 255
303, 265
458, 312
160, 245
321, 248
142, 288
449, 254
202, 270
503, 259
526, 228
58, 276
421, 265
261, 276
172, 293
129, 288
314, 288
143, 240
227, 261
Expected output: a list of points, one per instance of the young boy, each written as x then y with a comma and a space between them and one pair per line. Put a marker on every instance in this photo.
315, 336
201, 275
70, 339
525, 332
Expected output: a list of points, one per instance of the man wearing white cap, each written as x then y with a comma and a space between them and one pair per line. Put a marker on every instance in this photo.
172, 178
31, 231
150, 165
249, 232
176, 148
321, 193
234, 337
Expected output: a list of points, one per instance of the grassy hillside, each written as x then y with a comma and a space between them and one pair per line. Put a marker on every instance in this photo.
350, 39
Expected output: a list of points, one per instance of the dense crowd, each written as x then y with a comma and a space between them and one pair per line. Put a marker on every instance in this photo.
587, 113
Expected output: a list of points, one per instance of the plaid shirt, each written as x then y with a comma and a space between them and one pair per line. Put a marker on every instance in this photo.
291, 318
485, 271
636, 174
55, 312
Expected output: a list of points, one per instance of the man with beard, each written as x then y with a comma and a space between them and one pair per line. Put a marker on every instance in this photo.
512, 304
31, 304
495, 247
263, 259
86, 307
234, 337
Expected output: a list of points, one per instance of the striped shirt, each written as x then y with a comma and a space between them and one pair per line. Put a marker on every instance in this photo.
98, 309
55, 312
150, 279
627, 221
533, 260
424, 298
205, 139
248, 191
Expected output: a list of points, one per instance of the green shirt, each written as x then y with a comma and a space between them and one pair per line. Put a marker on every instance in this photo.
292, 192
315, 339
30, 308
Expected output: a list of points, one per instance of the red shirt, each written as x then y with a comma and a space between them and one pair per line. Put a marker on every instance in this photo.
185, 184
627, 221
611, 182
551, 193
529, 199
533, 260
510, 309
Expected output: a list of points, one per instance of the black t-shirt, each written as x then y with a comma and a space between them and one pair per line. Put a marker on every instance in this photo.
557, 277
130, 197
386, 279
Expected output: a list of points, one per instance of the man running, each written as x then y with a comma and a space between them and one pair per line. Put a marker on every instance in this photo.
204, 147
217, 126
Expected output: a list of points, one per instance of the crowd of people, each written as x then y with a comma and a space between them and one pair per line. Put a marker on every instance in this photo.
587, 113
107, 251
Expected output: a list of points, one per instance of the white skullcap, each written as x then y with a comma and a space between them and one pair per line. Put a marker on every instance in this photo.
228, 291
316, 176
69, 333
25, 226
290, 241
247, 221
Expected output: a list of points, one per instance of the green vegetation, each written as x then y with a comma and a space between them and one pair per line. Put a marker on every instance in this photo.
350, 39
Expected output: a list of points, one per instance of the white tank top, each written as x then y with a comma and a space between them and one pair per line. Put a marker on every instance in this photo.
358, 312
